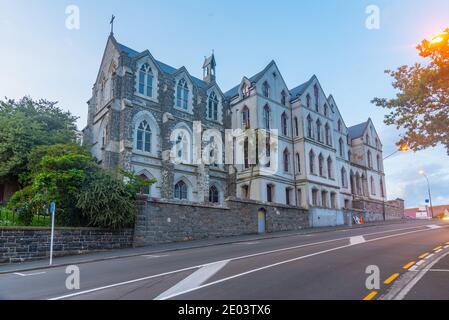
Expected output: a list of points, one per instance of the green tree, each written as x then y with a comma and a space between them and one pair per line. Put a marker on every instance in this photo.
421, 106
25, 124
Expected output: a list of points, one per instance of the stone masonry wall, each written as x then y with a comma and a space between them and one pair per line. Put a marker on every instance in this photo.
166, 221
376, 210
22, 244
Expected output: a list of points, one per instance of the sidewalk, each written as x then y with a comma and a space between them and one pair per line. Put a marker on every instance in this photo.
162, 248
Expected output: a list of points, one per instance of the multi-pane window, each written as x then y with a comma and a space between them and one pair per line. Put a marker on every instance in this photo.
284, 126
344, 181
308, 100
318, 130
213, 195
321, 165
283, 98
266, 89
315, 197
267, 117
181, 191
328, 135
245, 118
144, 137
298, 162
312, 161
182, 94
212, 111
330, 168
146, 80
309, 127
296, 127
341, 147
317, 98
270, 193
183, 147
286, 160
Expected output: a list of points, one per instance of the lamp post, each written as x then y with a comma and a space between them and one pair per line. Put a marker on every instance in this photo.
402, 148
423, 173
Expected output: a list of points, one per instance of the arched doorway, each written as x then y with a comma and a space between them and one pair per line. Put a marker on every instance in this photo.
262, 221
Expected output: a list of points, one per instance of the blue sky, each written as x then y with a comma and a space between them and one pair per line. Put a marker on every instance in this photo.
42, 58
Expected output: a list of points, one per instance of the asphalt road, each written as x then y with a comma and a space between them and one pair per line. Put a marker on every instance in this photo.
412, 260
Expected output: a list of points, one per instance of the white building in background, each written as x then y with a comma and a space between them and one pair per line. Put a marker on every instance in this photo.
138, 101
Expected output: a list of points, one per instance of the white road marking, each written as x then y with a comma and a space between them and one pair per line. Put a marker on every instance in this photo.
403, 293
433, 226
420, 262
439, 270
414, 268
196, 279
155, 256
246, 257
357, 240
430, 256
445, 247
28, 274
247, 243
438, 251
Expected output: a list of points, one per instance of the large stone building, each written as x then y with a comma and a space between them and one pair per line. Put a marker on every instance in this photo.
141, 109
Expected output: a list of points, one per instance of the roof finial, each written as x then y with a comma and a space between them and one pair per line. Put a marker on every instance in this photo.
112, 25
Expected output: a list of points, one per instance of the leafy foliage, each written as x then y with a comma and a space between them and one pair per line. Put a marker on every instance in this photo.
25, 124
85, 194
421, 106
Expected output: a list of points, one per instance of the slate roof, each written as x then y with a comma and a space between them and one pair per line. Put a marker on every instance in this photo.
299, 90
357, 130
235, 91
163, 66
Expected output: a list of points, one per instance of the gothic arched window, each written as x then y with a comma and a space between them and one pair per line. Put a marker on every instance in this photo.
284, 125
182, 94
328, 135
146, 80
267, 117
330, 168
321, 165
309, 127
245, 118
144, 136
318, 130
266, 89
213, 107
283, 98
183, 147
286, 160
214, 195
181, 191
312, 161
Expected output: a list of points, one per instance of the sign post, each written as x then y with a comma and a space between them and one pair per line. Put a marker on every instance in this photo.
52, 212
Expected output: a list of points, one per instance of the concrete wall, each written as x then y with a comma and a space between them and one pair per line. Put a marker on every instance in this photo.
166, 221
322, 217
22, 244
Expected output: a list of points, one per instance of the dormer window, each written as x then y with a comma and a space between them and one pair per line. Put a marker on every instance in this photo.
245, 90
266, 89
146, 80
182, 95
212, 111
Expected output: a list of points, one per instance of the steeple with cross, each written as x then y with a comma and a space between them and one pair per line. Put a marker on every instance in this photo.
112, 25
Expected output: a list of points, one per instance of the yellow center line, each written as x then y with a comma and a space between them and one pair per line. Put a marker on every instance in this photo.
392, 278
438, 248
423, 255
409, 265
370, 296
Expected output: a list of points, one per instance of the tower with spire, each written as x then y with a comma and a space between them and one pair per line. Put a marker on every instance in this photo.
209, 68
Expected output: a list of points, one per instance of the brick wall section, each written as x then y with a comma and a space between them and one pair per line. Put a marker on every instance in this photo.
22, 244
166, 221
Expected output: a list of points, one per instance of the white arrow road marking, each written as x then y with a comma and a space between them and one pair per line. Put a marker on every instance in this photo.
195, 280
357, 240
28, 274
433, 226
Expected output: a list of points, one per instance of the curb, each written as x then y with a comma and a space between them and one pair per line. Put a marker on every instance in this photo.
266, 237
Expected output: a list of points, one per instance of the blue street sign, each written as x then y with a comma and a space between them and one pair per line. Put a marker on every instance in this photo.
52, 207
427, 201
